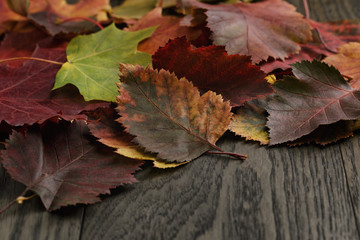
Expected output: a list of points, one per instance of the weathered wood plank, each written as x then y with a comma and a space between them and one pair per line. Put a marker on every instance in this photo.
278, 193
351, 155
30, 220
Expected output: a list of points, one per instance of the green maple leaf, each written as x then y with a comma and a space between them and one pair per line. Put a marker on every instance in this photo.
93, 61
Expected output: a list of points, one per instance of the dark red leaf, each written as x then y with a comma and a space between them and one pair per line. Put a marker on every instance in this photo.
26, 97
211, 68
63, 167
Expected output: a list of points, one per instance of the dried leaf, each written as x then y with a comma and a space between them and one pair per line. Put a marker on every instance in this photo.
250, 122
211, 68
168, 116
271, 28
318, 95
347, 61
63, 167
168, 27
26, 97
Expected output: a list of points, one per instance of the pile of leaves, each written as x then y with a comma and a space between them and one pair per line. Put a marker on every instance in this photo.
89, 90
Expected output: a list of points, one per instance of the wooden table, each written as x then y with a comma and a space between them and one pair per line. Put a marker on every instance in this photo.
307, 192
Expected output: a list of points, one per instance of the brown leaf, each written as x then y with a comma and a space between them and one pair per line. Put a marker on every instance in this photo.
347, 61
168, 28
271, 28
168, 116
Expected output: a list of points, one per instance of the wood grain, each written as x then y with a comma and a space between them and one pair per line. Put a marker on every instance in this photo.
30, 220
278, 193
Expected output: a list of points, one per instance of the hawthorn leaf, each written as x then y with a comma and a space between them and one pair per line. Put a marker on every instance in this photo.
168, 116
63, 167
103, 125
271, 28
211, 68
249, 122
51, 12
92, 61
168, 28
347, 61
26, 97
318, 95
326, 134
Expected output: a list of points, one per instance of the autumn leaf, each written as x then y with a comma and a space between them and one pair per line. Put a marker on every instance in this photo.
270, 28
103, 125
93, 60
50, 13
249, 122
211, 68
8, 17
347, 61
168, 116
26, 97
326, 134
63, 167
13, 45
168, 27
318, 95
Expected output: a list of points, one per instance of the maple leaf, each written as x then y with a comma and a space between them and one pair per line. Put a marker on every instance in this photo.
168, 116
249, 121
104, 126
63, 167
271, 28
49, 13
347, 61
211, 68
92, 64
26, 97
318, 95
168, 28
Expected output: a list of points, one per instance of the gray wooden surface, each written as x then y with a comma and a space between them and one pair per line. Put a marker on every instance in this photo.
306, 192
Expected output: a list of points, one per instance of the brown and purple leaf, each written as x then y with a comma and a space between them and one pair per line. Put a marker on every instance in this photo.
211, 68
26, 97
168, 116
317, 95
63, 167
271, 28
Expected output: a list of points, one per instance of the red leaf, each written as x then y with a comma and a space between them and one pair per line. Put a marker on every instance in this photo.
271, 28
63, 167
318, 95
14, 45
211, 68
26, 97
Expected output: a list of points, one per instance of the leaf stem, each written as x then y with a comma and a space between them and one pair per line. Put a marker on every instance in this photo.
323, 42
306, 8
16, 200
82, 18
235, 155
30, 58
